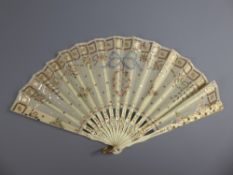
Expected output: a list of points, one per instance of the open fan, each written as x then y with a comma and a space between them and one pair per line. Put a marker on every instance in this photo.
119, 91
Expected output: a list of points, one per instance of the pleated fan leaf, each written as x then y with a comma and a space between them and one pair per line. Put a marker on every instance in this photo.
119, 91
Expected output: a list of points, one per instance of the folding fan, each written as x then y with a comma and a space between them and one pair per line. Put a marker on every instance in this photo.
119, 91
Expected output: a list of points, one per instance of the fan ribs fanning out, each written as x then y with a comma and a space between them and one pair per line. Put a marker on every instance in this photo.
119, 91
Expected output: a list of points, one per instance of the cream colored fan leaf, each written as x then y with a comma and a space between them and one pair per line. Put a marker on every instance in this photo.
119, 91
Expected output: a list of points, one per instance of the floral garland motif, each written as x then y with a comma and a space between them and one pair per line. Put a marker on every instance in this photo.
101, 56
71, 69
124, 84
83, 92
89, 61
180, 81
